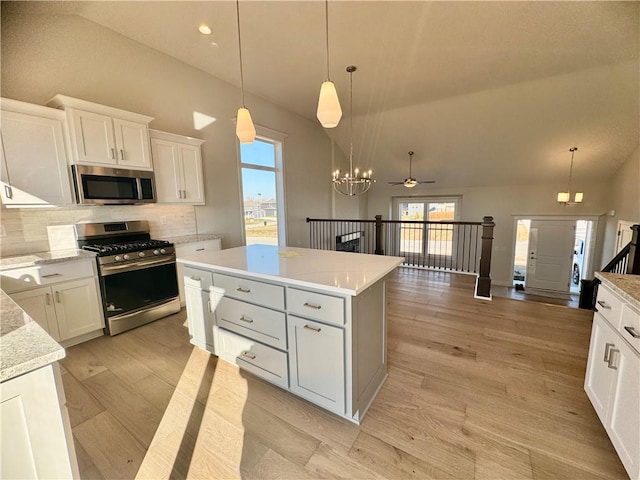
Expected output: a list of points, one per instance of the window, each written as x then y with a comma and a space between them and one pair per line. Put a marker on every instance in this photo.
420, 239
262, 190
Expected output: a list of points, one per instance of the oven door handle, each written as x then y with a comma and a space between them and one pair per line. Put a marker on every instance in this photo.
113, 269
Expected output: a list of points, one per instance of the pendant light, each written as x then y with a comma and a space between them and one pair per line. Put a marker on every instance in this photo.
329, 111
245, 130
564, 198
352, 182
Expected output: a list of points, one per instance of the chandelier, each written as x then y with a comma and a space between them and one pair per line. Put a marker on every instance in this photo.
564, 198
354, 182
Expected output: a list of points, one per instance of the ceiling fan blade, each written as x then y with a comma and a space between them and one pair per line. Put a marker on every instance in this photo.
396, 183
426, 181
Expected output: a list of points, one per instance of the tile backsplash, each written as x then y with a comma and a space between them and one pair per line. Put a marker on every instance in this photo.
30, 230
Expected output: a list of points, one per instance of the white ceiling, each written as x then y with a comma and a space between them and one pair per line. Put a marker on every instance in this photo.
485, 93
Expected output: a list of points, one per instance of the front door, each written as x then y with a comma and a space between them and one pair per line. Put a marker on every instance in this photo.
550, 254
624, 235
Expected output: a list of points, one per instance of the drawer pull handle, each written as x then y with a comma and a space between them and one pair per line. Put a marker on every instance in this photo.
248, 355
610, 363
317, 330
8, 191
633, 332
607, 346
311, 305
199, 249
52, 275
243, 290
246, 319
604, 304
195, 279
47, 298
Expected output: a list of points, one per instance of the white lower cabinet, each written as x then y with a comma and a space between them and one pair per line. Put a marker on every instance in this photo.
316, 362
70, 311
326, 348
36, 439
612, 382
185, 249
200, 317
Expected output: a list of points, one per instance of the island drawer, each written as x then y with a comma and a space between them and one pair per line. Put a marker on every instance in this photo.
609, 306
630, 326
195, 277
261, 360
316, 306
262, 324
26, 278
252, 291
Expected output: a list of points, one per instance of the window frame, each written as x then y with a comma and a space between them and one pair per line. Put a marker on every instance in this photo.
277, 139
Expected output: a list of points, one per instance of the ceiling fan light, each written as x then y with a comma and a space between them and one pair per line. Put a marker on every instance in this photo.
329, 112
578, 198
410, 183
563, 197
245, 130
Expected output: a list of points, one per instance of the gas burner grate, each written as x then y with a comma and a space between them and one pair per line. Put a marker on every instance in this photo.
114, 248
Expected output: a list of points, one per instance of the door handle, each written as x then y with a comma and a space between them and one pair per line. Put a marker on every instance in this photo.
47, 298
8, 191
604, 304
57, 296
610, 363
121, 154
607, 346
113, 153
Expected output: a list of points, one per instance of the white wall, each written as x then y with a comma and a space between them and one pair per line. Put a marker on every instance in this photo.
46, 55
503, 204
624, 200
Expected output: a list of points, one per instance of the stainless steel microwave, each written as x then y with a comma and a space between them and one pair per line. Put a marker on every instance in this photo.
112, 186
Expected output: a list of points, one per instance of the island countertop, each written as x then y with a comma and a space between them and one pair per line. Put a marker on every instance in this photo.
337, 272
627, 286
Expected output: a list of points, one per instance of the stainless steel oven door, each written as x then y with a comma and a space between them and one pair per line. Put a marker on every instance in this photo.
138, 285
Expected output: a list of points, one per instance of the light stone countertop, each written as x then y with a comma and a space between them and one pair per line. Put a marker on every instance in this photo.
24, 345
43, 258
333, 272
627, 286
195, 238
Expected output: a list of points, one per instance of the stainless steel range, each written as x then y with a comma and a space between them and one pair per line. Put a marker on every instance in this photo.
138, 281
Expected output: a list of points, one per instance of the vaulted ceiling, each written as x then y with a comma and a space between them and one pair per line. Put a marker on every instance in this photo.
485, 93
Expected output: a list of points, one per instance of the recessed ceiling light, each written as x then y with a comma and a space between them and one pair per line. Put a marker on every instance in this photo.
204, 29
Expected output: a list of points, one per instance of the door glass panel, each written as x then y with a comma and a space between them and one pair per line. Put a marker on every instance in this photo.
440, 238
260, 206
411, 235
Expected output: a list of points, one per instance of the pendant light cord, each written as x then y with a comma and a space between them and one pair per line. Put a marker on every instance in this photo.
351, 123
326, 20
573, 151
240, 50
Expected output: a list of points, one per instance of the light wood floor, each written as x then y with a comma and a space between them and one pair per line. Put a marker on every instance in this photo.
476, 390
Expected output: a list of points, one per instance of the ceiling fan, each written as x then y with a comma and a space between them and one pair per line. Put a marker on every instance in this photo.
411, 182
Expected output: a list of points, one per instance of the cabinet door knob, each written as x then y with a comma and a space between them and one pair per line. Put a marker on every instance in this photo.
633, 332
317, 330
311, 305
604, 304
248, 355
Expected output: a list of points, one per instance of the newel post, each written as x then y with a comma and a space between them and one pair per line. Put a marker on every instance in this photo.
633, 266
379, 250
483, 283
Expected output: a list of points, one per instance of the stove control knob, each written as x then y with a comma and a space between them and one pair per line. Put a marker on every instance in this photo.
156, 252
126, 257
162, 250
141, 254
118, 258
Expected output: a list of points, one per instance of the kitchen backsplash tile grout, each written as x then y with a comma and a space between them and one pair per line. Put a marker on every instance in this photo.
30, 230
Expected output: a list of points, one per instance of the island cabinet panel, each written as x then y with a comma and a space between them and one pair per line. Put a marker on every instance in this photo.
261, 360
316, 361
317, 306
265, 325
200, 317
260, 293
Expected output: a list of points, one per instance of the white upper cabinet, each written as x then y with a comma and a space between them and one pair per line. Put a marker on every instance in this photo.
106, 136
178, 168
34, 168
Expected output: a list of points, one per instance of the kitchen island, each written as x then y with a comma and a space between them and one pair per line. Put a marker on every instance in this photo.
310, 321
